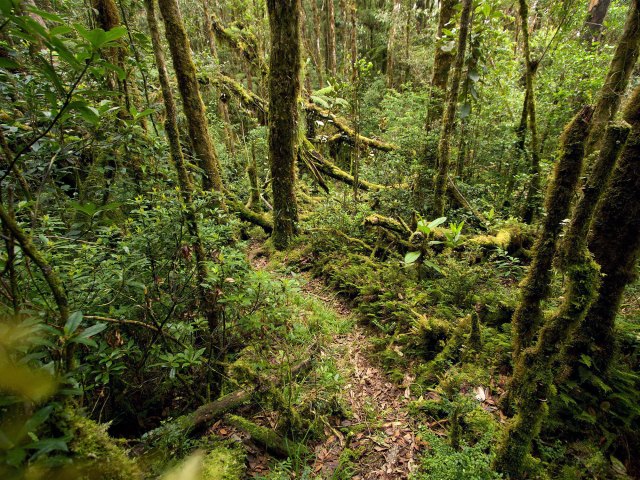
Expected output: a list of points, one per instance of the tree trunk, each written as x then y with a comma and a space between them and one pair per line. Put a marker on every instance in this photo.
448, 119
442, 61
533, 199
223, 110
595, 18
534, 366
332, 61
194, 109
284, 87
186, 188
615, 244
317, 41
535, 287
441, 65
391, 44
622, 64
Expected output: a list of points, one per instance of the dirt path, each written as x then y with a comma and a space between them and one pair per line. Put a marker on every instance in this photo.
382, 433
380, 442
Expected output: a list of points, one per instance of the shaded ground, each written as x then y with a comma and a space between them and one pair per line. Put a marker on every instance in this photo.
378, 439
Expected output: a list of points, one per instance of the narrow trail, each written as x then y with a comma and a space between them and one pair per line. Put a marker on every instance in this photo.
381, 442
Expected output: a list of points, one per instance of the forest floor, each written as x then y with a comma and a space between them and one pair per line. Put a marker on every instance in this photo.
377, 439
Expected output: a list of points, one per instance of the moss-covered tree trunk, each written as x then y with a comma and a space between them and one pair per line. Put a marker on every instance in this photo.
617, 80
194, 109
391, 44
535, 366
533, 198
448, 119
441, 65
595, 18
284, 87
527, 318
223, 110
186, 188
332, 59
615, 244
442, 60
317, 40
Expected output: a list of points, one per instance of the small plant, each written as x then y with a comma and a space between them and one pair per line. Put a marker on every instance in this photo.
425, 228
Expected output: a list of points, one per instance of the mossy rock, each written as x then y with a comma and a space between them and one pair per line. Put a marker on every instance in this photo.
99, 455
223, 463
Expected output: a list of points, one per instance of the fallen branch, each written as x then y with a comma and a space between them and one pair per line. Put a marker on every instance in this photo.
247, 214
270, 439
343, 126
333, 170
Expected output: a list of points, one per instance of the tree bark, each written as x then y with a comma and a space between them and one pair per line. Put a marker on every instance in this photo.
535, 366
332, 61
317, 40
615, 244
391, 44
284, 88
442, 61
194, 109
448, 120
617, 80
535, 287
533, 199
175, 149
595, 18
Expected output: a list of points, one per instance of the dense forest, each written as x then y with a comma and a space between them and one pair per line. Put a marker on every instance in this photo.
319, 239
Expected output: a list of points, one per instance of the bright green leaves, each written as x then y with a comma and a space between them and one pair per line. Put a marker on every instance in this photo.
98, 38
411, 257
72, 335
427, 227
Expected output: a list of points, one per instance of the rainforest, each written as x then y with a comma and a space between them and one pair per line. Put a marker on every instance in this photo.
319, 239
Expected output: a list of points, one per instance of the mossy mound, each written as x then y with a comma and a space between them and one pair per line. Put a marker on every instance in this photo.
99, 455
223, 463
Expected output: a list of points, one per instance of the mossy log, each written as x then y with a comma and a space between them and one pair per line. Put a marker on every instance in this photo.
388, 223
248, 215
213, 410
511, 238
343, 126
210, 411
246, 97
271, 440
328, 168
257, 103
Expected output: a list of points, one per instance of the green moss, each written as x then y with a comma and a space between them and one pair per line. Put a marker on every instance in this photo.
104, 457
223, 464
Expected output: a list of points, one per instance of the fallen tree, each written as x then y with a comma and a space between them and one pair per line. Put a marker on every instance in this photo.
511, 238
342, 125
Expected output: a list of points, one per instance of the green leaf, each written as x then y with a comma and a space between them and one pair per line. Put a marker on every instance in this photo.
586, 359
115, 33
319, 101
8, 63
437, 222
46, 15
411, 257
73, 322
92, 330
465, 110
618, 466
474, 76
